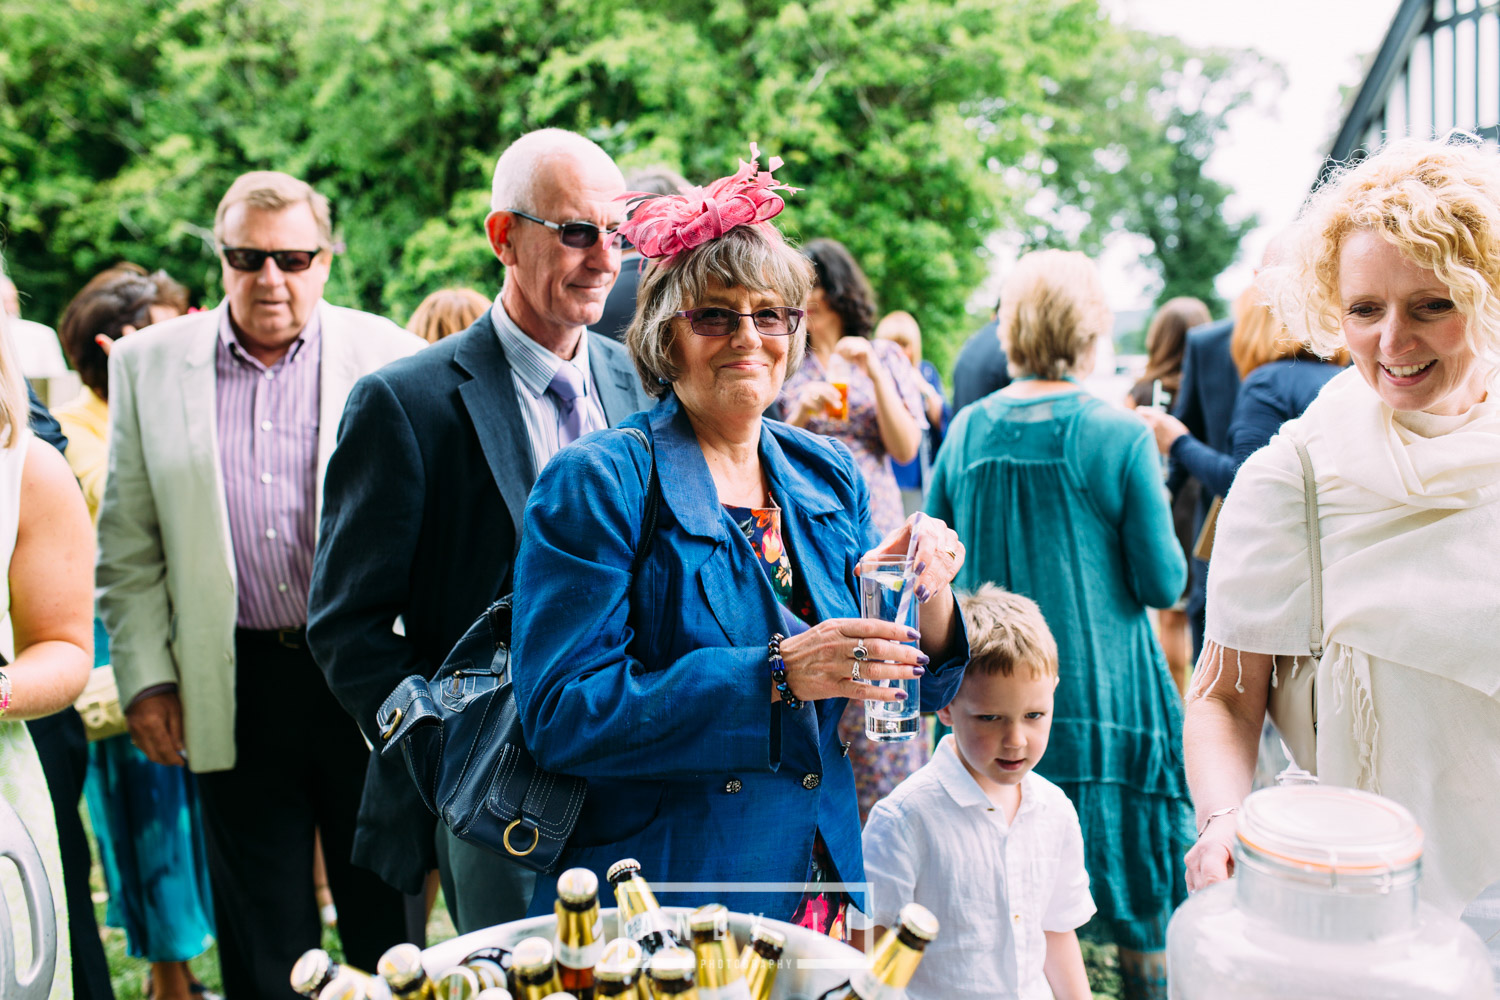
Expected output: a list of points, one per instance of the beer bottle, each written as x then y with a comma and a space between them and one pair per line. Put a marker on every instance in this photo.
401, 968
641, 917
535, 969
459, 983
761, 960
316, 970
580, 931
719, 975
351, 984
618, 971
896, 959
492, 966
673, 974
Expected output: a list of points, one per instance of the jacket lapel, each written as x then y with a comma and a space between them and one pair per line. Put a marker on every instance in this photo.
490, 398
732, 585
337, 373
808, 516
615, 377
200, 414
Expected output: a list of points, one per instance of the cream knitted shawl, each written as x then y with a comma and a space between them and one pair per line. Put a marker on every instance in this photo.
1409, 685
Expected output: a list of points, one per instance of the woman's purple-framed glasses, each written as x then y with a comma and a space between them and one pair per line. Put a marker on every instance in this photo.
716, 321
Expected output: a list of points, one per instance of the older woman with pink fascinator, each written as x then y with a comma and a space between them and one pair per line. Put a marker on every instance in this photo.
687, 624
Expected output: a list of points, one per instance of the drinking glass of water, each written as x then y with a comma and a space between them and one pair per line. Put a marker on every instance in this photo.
885, 590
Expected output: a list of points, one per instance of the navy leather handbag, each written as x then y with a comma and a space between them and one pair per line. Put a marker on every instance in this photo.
460, 734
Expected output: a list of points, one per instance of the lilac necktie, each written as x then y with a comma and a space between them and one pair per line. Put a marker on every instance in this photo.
566, 388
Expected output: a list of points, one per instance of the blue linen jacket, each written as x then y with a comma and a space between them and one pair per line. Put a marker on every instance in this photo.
656, 689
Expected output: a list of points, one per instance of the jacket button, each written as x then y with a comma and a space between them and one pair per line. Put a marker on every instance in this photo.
843, 749
733, 785
811, 781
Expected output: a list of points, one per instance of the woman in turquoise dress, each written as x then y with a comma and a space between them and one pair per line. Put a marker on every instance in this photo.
1059, 496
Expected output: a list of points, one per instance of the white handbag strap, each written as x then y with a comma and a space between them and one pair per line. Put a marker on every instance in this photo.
1314, 549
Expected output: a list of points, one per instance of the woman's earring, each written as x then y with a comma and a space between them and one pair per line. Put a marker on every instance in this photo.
662, 380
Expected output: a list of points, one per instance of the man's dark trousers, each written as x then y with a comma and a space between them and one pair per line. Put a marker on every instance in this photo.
300, 765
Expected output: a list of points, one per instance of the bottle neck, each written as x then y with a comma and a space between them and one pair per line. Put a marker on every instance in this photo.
895, 962
1358, 908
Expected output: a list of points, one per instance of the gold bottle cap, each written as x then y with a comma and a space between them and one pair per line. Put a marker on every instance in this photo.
310, 970
774, 938
673, 965
401, 965
578, 887
711, 918
459, 984
919, 922
494, 993
533, 955
620, 961
557, 996
623, 869
344, 986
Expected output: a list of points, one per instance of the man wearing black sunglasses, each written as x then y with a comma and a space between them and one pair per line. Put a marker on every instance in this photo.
221, 424
436, 456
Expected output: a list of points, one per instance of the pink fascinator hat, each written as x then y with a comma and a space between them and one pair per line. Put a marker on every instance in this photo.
666, 225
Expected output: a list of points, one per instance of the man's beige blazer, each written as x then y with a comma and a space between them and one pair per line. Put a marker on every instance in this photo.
166, 578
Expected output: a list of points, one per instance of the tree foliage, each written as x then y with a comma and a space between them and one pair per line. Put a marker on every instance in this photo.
122, 122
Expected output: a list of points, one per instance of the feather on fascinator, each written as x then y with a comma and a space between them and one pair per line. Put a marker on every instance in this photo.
666, 225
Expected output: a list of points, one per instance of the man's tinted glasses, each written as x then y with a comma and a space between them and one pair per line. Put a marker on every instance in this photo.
578, 235
246, 259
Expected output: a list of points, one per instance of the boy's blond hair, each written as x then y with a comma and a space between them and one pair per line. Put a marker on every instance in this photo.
1007, 631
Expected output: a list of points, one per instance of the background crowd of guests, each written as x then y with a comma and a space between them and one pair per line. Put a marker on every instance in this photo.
298, 505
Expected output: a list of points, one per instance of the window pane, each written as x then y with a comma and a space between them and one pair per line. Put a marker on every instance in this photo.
1395, 109
1489, 70
1420, 74
1442, 60
1464, 112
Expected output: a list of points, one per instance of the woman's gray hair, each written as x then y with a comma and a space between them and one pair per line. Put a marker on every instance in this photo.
753, 257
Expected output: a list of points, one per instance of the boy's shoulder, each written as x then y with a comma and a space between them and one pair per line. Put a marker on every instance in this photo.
1051, 802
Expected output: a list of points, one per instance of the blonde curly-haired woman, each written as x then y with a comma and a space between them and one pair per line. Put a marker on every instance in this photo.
1399, 261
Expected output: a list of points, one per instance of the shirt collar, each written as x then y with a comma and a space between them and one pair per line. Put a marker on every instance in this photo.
964, 790
309, 335
533, 363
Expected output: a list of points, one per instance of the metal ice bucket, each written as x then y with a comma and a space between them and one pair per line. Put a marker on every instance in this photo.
35, 981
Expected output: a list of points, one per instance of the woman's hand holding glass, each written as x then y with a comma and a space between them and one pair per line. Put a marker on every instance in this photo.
821, 662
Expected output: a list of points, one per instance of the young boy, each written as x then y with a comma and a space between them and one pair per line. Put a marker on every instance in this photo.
992, 849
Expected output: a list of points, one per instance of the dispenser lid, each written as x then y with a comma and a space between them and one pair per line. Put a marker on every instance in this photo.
1327, 829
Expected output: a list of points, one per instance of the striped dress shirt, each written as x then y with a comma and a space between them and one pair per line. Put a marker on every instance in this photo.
268, 454
532, 367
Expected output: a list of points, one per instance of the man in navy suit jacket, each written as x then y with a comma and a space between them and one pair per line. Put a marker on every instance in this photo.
425, 491
1205, 403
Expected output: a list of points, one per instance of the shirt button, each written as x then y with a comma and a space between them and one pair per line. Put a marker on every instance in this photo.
732, 786
270, 532
811, 781
1016, 917
266, 477
265, 425
281, 587
270, 375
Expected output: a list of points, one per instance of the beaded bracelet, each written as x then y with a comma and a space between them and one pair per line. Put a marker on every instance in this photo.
778, 673
4, 693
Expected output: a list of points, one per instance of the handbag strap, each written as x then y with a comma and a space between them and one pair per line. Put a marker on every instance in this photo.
1314, 548
653, 502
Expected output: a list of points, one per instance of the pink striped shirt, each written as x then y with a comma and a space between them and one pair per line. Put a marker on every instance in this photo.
268, 452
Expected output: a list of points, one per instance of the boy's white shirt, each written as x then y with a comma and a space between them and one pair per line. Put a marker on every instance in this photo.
994, 887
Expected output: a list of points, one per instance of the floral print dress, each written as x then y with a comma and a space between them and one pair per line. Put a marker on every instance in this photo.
878, 767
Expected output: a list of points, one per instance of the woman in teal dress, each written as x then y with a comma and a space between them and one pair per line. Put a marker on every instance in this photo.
1059, 497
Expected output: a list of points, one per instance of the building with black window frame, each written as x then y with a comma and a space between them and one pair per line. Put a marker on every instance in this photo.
1438, 69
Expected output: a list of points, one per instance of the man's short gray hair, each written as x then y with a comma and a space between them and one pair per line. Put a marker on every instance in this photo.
514, 185
753, 257
273, 191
